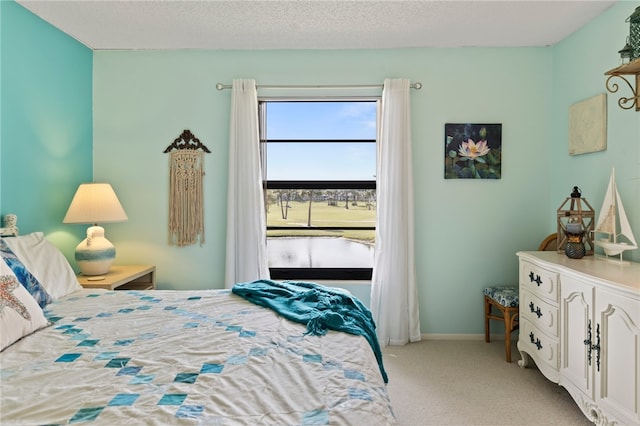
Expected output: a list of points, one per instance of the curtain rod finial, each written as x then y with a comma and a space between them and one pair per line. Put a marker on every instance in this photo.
417, 86
219, 86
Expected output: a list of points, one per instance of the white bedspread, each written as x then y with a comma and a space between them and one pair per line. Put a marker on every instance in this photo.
186, 357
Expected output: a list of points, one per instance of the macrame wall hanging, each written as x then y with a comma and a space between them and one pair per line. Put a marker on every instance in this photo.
186, 171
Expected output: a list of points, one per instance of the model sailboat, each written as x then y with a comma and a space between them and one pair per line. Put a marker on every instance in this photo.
613, 222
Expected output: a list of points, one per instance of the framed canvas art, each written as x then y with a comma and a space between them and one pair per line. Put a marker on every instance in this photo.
588, 125
472, 151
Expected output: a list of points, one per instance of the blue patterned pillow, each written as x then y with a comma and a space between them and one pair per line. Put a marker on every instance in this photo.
25, 277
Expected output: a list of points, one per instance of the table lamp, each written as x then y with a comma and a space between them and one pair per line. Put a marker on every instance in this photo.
95, 203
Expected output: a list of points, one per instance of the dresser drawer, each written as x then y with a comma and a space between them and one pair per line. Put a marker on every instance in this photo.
540, 313
539, 281
537, 344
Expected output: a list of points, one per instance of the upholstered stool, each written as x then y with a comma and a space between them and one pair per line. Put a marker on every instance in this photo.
505, 300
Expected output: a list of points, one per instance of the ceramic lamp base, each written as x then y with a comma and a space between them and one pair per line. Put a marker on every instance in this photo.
95, 254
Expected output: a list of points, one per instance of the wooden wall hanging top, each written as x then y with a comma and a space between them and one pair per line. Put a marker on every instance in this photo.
187, 141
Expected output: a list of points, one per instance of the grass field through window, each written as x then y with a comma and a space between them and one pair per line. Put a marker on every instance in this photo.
323, 214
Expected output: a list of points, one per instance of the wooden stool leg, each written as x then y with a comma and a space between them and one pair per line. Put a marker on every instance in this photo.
507, 328
487, 313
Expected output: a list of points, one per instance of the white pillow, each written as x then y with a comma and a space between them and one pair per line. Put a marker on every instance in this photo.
46, 263
20, 314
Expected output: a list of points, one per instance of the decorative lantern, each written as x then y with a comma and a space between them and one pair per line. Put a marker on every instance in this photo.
575, 225
634, 33
626, 53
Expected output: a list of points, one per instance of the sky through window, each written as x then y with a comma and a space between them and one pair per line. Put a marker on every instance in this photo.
321, 120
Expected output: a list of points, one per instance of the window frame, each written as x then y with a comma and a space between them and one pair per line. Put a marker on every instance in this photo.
333, 273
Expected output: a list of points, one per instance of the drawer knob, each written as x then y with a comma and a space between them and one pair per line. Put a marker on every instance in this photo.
536, 310
535, 278
535, 341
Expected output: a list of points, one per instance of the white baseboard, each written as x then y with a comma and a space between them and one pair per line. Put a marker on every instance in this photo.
439, 336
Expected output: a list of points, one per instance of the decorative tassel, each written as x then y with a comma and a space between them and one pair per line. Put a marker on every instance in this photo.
186, 216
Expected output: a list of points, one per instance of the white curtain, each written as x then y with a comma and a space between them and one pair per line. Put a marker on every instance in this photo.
246, 233
394, 294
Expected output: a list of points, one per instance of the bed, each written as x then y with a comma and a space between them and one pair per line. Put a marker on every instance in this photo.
168, 357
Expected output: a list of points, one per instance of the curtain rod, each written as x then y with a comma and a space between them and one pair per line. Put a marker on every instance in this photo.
416, 86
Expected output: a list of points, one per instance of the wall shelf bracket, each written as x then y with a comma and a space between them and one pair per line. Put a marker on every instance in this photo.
630, 70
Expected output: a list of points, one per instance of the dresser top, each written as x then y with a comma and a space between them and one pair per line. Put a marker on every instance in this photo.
612, 271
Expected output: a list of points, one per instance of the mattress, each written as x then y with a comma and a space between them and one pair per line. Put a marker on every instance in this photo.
186, 357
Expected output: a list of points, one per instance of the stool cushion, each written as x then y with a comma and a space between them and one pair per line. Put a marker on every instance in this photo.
506, 296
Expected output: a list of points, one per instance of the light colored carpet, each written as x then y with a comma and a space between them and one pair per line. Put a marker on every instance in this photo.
440, 382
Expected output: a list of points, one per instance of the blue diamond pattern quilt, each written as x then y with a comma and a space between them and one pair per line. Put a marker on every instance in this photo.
186, 357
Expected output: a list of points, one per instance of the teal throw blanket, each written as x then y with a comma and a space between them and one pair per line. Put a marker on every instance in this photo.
320, 308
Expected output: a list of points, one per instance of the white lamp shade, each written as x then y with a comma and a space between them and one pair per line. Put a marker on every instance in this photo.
95, 203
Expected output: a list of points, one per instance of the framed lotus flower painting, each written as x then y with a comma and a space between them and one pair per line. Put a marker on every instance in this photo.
472, 151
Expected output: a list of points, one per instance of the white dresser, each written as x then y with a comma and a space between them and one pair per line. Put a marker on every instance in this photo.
580, 323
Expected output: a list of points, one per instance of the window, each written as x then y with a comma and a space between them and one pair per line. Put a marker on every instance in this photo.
319, 165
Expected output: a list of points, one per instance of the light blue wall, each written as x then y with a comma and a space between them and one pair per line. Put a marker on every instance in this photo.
467, 231
579, 63
46, 136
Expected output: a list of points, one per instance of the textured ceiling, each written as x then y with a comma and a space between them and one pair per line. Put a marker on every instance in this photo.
318, 24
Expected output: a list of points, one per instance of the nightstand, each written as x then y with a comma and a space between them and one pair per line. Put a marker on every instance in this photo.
122, 277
